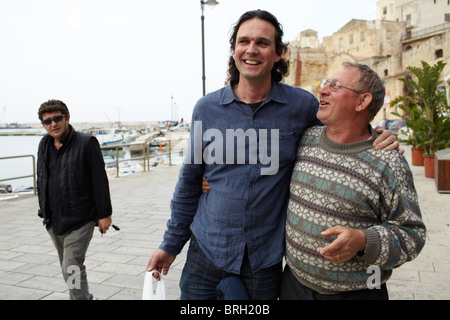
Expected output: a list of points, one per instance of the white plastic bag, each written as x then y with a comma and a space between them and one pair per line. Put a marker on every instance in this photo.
148, 293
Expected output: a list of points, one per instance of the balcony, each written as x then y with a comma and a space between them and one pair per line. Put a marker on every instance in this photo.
428, 32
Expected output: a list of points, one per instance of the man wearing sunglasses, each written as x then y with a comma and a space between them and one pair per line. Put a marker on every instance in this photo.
73, 192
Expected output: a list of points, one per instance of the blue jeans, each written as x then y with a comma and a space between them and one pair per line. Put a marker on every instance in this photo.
200, 278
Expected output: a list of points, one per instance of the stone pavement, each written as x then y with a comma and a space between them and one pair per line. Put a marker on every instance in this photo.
116, 261
29, 268
428, 276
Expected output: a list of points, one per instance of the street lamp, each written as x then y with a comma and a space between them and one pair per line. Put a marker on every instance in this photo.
202, 4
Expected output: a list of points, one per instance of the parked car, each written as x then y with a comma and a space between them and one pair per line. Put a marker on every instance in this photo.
5, 188
396, 125
404, 133
387, 123
379, 123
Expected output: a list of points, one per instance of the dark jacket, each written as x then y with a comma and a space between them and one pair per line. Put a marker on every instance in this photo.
83, 189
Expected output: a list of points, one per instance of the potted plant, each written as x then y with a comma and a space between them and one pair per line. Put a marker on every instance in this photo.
426, 109
415, 124
413, 115
439, 141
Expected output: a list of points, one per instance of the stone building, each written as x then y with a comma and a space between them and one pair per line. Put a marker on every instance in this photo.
418, 14
405, 33
308, 62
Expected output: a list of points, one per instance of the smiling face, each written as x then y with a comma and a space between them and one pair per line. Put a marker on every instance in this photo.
338, 107
255, 51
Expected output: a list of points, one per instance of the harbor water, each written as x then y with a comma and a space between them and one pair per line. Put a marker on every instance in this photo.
21, 145
11, 146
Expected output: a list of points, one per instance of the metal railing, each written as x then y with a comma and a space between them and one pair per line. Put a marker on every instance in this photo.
23, 177
146, 156
423, 32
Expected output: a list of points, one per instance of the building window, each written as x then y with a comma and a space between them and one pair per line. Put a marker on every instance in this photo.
351, 39
447, 16
341, 42
408, 20
439, 53
363, 37
389, 34
385, 10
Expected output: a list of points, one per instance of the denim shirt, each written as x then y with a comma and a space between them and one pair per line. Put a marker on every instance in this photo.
236, 150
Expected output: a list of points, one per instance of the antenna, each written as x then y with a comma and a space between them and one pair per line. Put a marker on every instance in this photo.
111, 123
3, 114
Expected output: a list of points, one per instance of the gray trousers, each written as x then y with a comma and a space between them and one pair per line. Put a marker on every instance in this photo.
72, 248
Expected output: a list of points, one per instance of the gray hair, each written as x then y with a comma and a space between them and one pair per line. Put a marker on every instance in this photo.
369, 82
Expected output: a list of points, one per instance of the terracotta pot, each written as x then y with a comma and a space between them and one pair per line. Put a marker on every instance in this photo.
429, 166
417, 157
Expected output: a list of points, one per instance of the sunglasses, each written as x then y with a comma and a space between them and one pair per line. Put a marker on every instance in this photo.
55, 118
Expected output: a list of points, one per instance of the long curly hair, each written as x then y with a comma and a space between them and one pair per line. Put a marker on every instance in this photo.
281, 67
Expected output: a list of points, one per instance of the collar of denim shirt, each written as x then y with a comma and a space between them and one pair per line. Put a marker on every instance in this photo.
276, 94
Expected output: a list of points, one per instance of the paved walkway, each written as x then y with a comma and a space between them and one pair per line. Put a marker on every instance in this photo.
29, 266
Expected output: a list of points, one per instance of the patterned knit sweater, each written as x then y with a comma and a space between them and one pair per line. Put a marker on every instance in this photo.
351, 185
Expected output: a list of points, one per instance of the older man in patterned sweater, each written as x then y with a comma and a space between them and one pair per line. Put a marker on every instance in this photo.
353, 213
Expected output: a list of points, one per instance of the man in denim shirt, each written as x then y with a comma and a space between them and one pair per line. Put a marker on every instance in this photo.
243, 141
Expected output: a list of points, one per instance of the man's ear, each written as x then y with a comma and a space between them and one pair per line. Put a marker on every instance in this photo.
364, 101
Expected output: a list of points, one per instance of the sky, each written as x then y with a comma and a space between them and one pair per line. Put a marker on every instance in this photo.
133, 60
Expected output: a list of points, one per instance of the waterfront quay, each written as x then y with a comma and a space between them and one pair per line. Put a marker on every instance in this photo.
116, 261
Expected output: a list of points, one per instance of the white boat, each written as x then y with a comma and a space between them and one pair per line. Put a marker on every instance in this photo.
159, 141
129, 135
108, 136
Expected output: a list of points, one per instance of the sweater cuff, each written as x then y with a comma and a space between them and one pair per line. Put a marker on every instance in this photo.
372, 250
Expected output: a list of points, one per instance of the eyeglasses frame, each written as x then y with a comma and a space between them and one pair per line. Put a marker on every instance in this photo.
334, 84
55, 119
